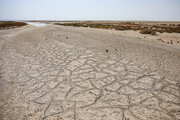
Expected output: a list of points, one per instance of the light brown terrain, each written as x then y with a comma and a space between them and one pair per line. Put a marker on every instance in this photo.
59, 72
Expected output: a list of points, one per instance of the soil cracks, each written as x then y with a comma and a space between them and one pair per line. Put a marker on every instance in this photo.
65, 82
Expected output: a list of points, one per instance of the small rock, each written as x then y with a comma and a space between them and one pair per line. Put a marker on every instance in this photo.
171, 42
106, 50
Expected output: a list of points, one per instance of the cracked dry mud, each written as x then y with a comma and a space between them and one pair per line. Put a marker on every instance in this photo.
65, 82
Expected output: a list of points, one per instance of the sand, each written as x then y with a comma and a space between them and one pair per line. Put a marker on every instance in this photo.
57, 72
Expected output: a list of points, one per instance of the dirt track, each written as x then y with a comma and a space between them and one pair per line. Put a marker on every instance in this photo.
67, 73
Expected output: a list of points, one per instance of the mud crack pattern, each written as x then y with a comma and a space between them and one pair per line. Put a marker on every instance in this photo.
62, 81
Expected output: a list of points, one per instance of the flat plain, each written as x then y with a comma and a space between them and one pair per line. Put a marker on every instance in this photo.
58, 72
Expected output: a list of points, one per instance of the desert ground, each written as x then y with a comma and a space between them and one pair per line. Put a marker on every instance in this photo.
56, 72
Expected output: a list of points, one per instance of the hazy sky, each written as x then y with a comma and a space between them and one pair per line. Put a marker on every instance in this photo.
166, 10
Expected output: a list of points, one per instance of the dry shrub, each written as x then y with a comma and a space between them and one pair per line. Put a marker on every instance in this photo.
145, 29
9, 24
148, 31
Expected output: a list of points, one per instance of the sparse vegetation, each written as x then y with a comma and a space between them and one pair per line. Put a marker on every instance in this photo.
127, 26
148, 31
10, 24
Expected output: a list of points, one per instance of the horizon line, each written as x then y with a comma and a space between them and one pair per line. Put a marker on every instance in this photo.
92, 20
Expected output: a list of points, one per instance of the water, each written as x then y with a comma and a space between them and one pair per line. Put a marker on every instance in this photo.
36, 24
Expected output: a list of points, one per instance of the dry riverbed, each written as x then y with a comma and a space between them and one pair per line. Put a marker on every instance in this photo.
67, 73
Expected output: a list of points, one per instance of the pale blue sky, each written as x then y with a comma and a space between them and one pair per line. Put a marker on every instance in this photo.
158, 10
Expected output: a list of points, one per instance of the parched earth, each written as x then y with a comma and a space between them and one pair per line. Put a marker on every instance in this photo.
61, 81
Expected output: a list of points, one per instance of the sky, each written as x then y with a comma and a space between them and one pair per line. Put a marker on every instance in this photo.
152, 10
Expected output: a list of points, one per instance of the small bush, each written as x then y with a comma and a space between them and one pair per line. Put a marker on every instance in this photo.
148, 31
164, 24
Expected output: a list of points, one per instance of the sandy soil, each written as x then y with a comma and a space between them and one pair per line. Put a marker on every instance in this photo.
67, 73
166, 38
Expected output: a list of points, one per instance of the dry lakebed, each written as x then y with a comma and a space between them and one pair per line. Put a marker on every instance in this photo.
56, 72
